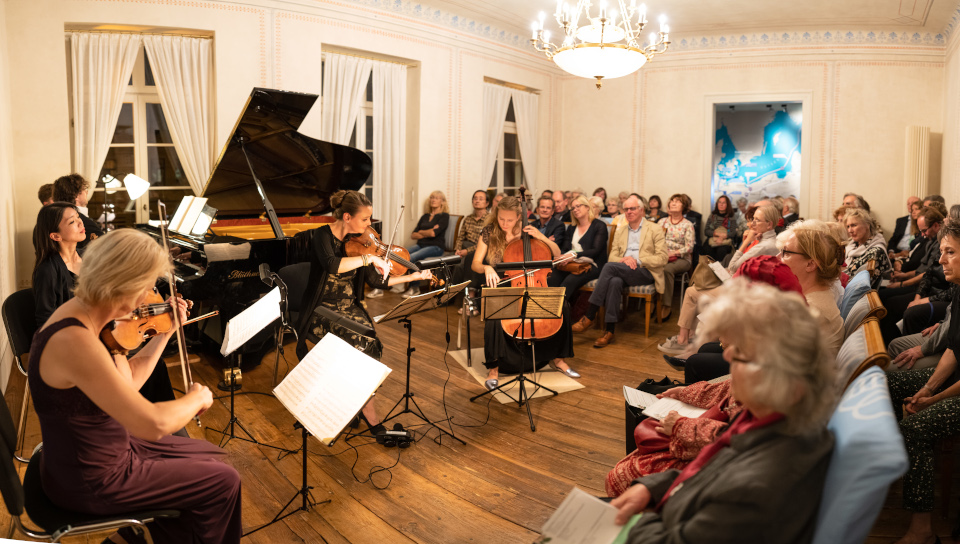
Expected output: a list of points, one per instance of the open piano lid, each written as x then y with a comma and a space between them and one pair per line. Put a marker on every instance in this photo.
298, 173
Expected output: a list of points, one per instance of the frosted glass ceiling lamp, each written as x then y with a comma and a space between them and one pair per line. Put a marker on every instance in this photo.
136, 186
594, 50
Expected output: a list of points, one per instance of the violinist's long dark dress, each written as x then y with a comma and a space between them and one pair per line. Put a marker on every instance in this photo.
503, 352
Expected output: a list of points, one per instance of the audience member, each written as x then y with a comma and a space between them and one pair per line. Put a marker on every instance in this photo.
901, 232
547, 223
596, 204
637, 257
927, 401
430, 234
679, 234
722, 229
696, 219
622, 196
853, 200
75, 190
742, 205
613, 207
586, 240
934, 198
560, 210
865, 247
920, 350
472, 224
496, 200
785, 384
790, 210
601, 192
45, 194
574, 194
653, 207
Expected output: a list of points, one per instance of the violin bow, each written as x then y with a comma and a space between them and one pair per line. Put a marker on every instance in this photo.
392, 238
181, 341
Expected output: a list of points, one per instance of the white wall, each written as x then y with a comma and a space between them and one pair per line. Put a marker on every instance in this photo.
950, 184
7, 216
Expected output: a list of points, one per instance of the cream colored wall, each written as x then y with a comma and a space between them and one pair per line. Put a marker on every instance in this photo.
652, 132
950, 184
7, 216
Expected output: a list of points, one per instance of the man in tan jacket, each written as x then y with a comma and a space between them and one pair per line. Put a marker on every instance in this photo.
637, 257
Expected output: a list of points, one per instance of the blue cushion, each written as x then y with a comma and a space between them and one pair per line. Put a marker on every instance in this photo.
858, 286
868, 456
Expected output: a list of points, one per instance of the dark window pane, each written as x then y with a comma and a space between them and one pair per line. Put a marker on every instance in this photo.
509, 146
511, 117
353, 138
131, 80
124, 131
119, 162
171, 198
369, 192
157, 131
369, 128
509, 174
147, 71
370, 89
163, 167
120, 211
493, 180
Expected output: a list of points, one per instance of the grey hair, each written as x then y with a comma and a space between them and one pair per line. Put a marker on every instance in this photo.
863, 216
796, 369
792, 204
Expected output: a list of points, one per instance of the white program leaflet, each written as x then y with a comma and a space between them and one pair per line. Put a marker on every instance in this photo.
251, 321
664, 406
584, 519
637, 398
720, 271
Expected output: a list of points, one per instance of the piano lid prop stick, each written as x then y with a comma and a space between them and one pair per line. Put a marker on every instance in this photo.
392, 239
181, 341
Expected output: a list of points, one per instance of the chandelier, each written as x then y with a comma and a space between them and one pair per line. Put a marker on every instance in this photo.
607, 46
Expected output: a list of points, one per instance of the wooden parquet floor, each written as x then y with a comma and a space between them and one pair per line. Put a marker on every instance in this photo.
498, 488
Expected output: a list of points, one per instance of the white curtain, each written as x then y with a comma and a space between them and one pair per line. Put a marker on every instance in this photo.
101, 65
525, 111
496, 100
183, 68
344, 91
389, 131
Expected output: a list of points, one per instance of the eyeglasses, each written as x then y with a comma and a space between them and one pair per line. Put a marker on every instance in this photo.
578, 206
786, 251
632, 209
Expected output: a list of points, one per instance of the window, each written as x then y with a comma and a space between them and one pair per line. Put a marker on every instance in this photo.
508, 172
141, 145
362, 131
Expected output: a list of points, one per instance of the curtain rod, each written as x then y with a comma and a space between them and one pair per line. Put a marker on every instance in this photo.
515, 86
139, 33
368, 58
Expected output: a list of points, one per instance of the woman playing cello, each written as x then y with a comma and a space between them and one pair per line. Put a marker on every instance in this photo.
336, 283
500, 352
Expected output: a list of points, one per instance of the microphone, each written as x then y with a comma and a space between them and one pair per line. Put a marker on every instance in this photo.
265, 275
434, 262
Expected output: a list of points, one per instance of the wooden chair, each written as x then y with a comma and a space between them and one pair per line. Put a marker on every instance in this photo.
868, 306
861, 350
452, 235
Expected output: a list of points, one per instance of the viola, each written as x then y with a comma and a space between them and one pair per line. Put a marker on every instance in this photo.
153, 317
523, 249
369, 243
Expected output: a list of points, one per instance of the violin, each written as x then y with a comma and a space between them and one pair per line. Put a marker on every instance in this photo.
153, 317
525, 249
369, 243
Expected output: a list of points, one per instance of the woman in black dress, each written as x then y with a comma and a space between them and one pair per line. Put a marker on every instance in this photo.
586, 240
336, 283
55, 238
500, 352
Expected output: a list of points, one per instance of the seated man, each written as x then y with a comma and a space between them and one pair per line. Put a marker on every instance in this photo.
45, 194
547, 223
560, 210
637, 257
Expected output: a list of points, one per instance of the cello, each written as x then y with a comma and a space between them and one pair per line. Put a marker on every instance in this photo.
525, 249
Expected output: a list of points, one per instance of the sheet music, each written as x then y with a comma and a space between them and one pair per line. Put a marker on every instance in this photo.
251, 321
720, 271
227, 252
637, 398
193, 213
664, 406
329, 386
585, 519
178, 215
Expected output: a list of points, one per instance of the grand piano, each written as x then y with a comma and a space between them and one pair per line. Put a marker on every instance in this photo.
269, 184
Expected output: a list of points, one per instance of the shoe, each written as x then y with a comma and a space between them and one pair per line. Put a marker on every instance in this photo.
582, 325
491, 384
398, 288
378, 429
411, 292
375, 293
672, 347
604, 340
665, 317
569, 372
676, 362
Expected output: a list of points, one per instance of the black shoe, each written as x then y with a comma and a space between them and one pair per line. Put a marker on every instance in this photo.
676, 362
378, 429
355, 423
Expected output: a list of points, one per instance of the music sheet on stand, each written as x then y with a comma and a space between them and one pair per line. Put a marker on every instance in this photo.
251, 321
330, 386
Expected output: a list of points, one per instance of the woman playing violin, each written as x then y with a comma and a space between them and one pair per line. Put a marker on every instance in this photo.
500, 352
336, 283
107, 449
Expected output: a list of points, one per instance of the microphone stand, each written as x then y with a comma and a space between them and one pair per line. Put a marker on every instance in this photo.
284, 322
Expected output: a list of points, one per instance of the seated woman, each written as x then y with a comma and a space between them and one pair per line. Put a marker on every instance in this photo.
722, 228
430, 234
501, 352
865, 247
586, 240
928, 402
107, 449
613, 209
681, 238
760, 239
654, 209
336, 283
761, 480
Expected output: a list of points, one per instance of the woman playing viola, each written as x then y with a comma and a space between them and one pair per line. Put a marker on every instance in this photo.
500, 353
336, 283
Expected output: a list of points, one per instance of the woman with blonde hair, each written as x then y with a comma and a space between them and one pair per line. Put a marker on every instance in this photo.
865, 246
107, 449
586, 241
430, 235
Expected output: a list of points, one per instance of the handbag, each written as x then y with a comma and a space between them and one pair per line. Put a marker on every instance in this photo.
703, 277
648, 438
574, 267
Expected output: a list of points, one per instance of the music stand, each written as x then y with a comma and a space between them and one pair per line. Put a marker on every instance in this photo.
402, 313
524, 303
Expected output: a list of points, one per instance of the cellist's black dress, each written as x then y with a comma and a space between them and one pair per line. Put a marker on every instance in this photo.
504, 353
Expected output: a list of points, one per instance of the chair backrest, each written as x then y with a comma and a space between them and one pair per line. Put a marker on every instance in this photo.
868, 306
451, 234
611, 230
858, 286
876, 306
862, 349
10, 486
295, 276
20, 322
868, 455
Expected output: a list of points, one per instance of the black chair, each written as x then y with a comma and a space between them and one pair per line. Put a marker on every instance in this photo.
55, 523
20, 322
296, 277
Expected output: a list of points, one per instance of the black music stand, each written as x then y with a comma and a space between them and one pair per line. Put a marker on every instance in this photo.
526, 304
402, 313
